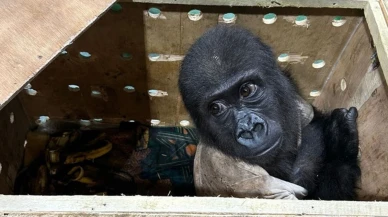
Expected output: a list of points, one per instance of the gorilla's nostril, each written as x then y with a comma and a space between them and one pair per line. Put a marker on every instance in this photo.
258, 127
246, 135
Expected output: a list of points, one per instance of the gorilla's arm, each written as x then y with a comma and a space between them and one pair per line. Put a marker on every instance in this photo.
327, 162
310, 157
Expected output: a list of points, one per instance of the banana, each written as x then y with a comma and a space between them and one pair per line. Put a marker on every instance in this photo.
79, 176
88, 155
87, 180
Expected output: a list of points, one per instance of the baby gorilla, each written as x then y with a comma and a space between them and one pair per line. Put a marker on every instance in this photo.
245, 106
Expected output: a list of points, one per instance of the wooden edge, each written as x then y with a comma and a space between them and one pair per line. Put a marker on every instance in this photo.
357, 4
47, 60
379, 30
383, 5
74, 205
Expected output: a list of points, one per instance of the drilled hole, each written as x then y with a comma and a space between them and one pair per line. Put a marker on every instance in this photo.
85, 54
194, 15
11, 118
184, 123
269, 18
129, 89
154, 12
73, 88
318, 64
116, 7
42, 120
31, 92
84, 123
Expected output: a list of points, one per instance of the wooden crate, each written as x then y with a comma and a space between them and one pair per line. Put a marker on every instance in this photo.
35, 34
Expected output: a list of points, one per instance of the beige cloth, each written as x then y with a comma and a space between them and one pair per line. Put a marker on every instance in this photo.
216, 174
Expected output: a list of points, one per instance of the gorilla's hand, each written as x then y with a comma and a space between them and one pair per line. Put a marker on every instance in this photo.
343, 134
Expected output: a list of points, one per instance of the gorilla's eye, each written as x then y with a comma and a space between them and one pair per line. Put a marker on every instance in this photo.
216, 108
247, 89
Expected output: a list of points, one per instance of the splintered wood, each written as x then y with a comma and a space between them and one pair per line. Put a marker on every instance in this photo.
32, 33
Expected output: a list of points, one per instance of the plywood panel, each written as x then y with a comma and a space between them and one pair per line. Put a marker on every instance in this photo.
33, 32
106, 70
320, 40
373, 124
14, 126
353, 64
132, 30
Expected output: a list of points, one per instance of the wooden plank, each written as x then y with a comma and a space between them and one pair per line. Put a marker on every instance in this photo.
373, 124
34, 32
359, 4
183, 206
163, 36
14, 126
379, 31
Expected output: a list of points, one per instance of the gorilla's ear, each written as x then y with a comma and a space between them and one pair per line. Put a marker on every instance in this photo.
306, 111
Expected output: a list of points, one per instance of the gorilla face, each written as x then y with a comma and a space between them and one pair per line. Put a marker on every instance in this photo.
236, 95
244, 114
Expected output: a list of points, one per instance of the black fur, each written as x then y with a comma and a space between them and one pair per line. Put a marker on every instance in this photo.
214, 71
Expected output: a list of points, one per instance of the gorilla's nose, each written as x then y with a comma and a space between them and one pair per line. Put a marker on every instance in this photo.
250, 127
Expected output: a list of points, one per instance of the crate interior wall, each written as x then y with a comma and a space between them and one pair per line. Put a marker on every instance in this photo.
120, 44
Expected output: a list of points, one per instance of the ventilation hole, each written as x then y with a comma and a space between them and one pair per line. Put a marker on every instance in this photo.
116, 7
338, 21
131, 121
155, 122
315, 93
301, 20
152, 92
42, 120
283, 57
343, 84
184, 123
126, 56
95, 93
269, 18
11, 118
153, 56
194, 15
318, 64
84, 123
28, 86
85, 54
64, 52
31, 92
73, 88
157, 93
154, 12
129, 89
229, 17
97, 120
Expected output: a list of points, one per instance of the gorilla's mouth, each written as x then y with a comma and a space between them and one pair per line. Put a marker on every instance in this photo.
261, 149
